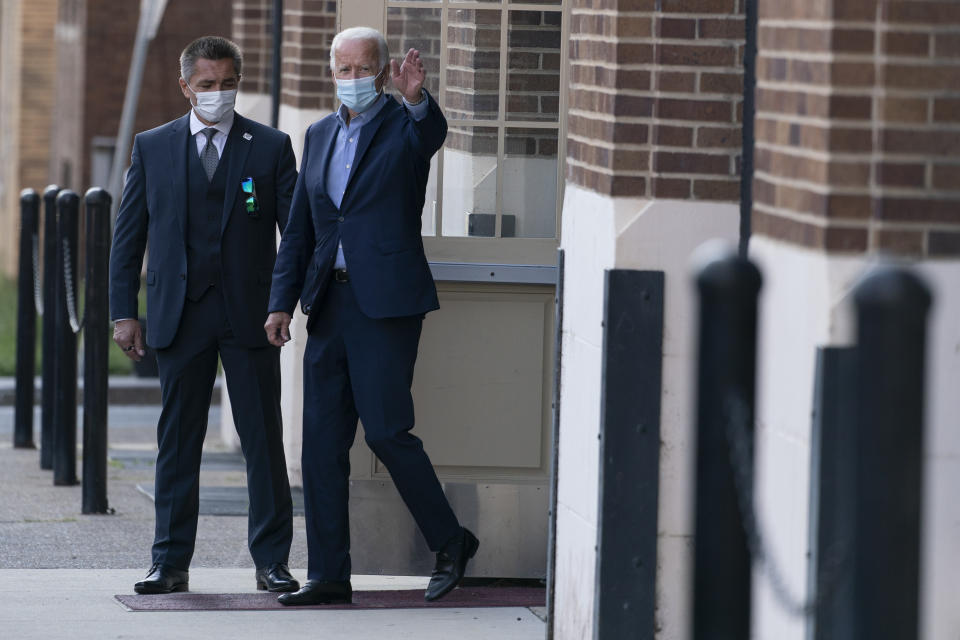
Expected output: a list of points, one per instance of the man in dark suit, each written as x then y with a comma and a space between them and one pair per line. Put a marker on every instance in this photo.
352, 254
208, 191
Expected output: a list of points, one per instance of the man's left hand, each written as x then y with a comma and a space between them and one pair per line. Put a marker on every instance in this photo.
408, 77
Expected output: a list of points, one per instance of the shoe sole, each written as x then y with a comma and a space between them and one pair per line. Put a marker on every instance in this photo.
159, 592
261, 586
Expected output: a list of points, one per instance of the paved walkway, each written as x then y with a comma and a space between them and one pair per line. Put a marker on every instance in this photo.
59, 570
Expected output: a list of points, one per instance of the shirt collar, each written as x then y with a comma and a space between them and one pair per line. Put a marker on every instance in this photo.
223, 126
365, 117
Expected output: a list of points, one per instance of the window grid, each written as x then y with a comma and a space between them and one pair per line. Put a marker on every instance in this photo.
501, 122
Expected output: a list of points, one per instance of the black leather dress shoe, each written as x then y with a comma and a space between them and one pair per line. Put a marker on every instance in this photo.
163, 579
276, 578
319, 592
451, 564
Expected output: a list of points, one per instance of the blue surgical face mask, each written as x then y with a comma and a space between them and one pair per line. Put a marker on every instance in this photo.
357, 95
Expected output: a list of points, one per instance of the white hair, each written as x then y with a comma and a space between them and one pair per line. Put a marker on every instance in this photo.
361, 33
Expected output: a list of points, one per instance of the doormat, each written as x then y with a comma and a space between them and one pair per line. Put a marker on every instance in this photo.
462, 598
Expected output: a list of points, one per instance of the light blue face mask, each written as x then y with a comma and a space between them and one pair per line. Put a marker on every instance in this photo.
357, 95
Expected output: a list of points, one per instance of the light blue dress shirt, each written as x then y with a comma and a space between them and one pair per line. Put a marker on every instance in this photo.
345, 150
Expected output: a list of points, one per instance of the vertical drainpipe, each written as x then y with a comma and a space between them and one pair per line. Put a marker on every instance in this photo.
277, 63
749, 111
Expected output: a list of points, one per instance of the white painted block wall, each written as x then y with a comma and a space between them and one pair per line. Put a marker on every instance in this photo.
600, 233
806, 303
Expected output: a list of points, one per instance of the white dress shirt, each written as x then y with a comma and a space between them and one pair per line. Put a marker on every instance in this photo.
219, 138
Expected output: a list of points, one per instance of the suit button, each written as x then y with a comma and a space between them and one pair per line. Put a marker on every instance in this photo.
183, 276
340, 219
306, 309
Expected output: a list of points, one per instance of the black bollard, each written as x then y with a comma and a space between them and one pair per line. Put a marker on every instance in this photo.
95, 365
65, 344
729, 286
49, 324
26, 321
892, 307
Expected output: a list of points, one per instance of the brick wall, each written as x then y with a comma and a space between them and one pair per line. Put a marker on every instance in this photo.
858, 126
36, 98
308, 29
656, 97
26, 101
253, 33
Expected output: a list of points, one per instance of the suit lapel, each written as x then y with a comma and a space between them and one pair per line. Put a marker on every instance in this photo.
238, 146
326, 141
367, 133
178, 145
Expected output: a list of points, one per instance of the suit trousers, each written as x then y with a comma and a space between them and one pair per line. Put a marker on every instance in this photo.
188, 369
359, 367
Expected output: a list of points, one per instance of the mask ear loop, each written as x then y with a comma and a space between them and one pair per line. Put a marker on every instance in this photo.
386, 78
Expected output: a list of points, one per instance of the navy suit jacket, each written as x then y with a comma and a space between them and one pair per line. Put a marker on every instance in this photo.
378, 220
154, 206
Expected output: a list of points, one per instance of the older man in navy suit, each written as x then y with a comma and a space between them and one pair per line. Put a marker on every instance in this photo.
208, 191
353, 256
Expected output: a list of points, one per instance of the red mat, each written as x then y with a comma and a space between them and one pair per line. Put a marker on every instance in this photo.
463, 597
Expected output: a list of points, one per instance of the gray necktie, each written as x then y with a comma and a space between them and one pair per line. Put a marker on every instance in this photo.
209, 157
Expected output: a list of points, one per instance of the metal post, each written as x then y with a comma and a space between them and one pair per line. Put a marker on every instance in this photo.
555, 447
729, 286
833, 451
26, 320
65, 402
749, 114
95, 365
630, 390
48, 358
892, 307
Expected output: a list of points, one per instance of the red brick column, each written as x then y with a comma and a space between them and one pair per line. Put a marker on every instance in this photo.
252, 31
655, 97
858, 126
308, 29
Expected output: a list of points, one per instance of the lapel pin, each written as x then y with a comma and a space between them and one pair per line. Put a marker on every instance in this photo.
247, 136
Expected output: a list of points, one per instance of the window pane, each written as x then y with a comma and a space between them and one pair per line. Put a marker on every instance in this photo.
470, 181
530, 183
417, 29
555, 2
533, 65
473, 64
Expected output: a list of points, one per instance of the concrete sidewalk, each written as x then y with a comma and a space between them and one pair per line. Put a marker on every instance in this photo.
59, 569
79, 604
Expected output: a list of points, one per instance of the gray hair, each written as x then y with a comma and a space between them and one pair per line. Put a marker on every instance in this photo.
209, 48
361, 33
